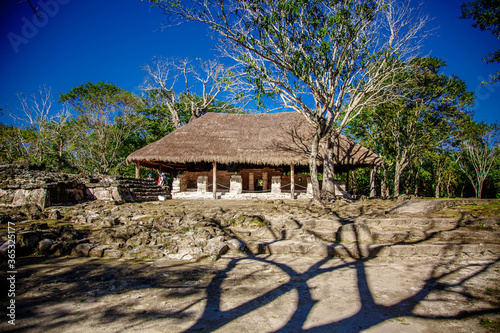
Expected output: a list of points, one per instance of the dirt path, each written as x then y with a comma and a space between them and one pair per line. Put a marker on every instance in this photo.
254, 294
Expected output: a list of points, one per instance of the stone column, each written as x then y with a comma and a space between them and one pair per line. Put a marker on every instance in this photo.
235, 185
276, 184
176, 184
264, 181
292, 181
251, 182
373, 190
202, 184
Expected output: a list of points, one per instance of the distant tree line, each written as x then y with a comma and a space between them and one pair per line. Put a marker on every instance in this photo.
100, 124
349, 66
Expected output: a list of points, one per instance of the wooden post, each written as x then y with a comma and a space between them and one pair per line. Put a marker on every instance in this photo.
214, 170
373, 190
251, 182
292, 181
347, 180
137, 170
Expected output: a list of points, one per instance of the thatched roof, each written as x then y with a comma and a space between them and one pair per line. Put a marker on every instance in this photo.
260, 139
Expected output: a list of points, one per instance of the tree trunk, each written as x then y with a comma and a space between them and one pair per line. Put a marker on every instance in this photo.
313, 168
373, 190
397, 178
384, 188
479, 189
328, 188
438, 187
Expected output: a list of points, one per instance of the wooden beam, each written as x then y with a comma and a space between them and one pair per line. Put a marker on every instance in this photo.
292, 181
214, 171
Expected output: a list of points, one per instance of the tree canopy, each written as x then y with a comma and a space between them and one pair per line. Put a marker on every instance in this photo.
486, 16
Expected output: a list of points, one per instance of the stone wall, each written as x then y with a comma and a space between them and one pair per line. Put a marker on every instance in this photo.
23, 184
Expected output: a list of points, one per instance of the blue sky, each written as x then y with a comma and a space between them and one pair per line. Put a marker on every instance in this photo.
90, 40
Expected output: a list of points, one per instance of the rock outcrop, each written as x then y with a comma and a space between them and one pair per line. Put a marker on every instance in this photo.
29, 185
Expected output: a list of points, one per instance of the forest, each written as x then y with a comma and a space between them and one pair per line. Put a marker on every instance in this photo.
329, 63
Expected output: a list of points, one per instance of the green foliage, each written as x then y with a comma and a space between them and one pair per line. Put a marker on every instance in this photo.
486, 16
106, 119
10, 149
422, 119
479, 151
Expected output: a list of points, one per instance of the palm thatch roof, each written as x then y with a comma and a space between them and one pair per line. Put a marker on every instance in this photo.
273, 139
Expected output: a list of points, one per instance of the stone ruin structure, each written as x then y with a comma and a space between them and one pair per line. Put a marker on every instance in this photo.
28, 184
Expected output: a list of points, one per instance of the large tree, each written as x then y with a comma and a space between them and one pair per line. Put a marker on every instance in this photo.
43, 135
480, 151
324, 59
423, 118
180, 90
486, 16
106, 116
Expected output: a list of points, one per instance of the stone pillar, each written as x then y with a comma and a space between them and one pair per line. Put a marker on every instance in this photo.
264, 181
340, 187
276, 184
251, 182
176, 184
373, 190
235, 185
292, 181
202, 184
214, 171
137, 170
309, 186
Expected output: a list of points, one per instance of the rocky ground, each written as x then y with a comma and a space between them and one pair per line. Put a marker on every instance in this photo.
256, 266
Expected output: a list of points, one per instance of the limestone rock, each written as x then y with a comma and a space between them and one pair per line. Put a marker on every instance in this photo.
217, 247
236, 245
55, 215
355, 233
110, 253
44, 246
98, 251
82, 250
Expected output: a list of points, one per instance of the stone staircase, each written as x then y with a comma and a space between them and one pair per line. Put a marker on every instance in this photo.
128, 189
143, 189
382, 236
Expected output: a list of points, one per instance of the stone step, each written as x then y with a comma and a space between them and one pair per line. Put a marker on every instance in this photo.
267, 232
288, 247
150, 198
319, 235
309, 223
447, 236
421, 223
146, 184
142, 191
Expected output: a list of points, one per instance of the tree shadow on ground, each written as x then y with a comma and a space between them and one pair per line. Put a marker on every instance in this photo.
199, 292
370, 314
198, 288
